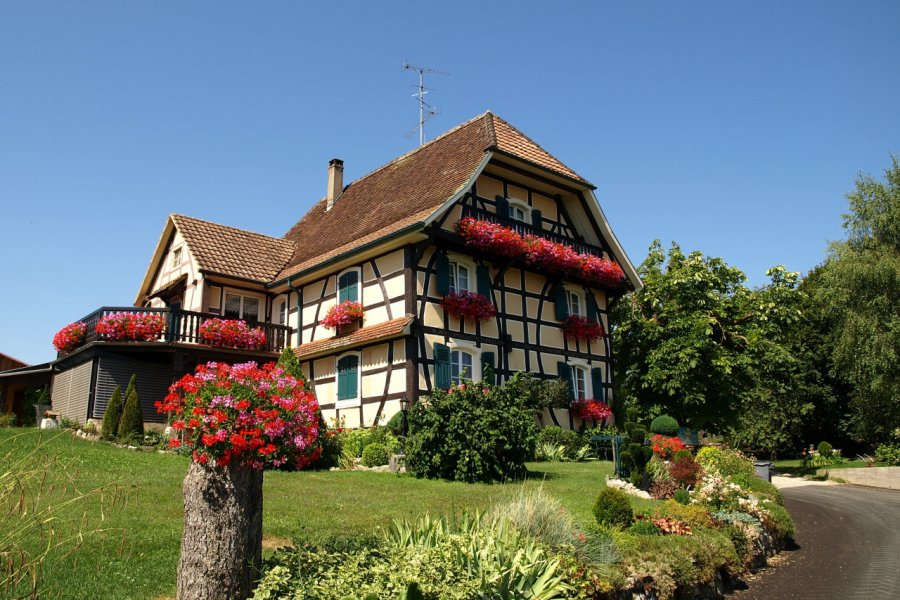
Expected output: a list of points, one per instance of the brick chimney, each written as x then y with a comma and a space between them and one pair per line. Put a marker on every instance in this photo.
335, 182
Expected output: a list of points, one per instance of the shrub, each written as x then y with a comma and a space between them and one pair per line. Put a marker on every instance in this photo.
327, 445
539, 515
132, 423
730, 463
663, 490
571, 442
825, 449
395, 423
764, 489
643, 527
113, 414
664, 425
290, 362
472, 433
375, 455
685, 470
613, 508
599, 546
7, 420
658, 469
693, 515
779, 520
888, 453
682, 496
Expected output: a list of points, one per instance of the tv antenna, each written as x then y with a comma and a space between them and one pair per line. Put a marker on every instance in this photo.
426, 111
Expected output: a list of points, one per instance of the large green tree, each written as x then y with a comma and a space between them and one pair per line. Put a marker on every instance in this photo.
860, 285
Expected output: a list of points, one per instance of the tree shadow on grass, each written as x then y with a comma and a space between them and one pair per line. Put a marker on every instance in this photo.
537, 474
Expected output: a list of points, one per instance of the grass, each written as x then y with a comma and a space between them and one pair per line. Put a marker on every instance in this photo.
136, 554
797, 468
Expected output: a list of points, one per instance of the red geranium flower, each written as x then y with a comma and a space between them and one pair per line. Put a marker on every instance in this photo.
468, 305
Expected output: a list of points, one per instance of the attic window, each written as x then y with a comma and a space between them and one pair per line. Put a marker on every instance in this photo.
176, 257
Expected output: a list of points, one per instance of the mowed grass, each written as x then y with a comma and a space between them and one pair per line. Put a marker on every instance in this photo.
134, 550
796, 467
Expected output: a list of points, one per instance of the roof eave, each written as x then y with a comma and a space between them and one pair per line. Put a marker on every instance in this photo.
617, 248
584, 183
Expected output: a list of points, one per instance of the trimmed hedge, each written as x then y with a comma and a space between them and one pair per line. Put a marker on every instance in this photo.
664, 425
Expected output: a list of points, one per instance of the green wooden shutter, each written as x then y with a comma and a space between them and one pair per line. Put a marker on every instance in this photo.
348, 287
502, 207
443, 273
442, 367
597, 384
537, 219
348, 375
487, 368
564, 372
562, 307
593, 311
483, 275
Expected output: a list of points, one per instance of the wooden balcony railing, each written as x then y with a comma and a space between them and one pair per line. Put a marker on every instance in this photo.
183, 326
528, 229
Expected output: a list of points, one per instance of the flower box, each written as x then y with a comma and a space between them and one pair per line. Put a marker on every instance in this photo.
468, 306
590, 409
131, 327
492, 238
576, 327
344, 313
231, 333
70, 337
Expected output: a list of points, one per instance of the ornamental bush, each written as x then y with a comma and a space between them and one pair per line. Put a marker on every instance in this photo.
730, 463
613, 508
888, 453
113, 414
664, 425
825, 449
131, 425
473, 432
375, 455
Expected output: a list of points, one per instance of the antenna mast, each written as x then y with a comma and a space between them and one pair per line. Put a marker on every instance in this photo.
426, 111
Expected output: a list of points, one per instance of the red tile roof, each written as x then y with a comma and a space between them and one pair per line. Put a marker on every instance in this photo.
381, 331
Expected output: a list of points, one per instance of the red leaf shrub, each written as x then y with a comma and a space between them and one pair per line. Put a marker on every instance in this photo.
665, 447
581, 328
229, 333
670, 526
468, 306
663, 489
685, 470
70, 337
588, 408
131, 327
344, 313
257, 416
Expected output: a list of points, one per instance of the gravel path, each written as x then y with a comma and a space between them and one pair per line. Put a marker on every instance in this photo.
848, 540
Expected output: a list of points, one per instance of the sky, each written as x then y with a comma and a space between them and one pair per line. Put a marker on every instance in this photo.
733, 128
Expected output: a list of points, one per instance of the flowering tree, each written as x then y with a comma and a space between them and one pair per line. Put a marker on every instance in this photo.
131, 327
235, 420
70, 337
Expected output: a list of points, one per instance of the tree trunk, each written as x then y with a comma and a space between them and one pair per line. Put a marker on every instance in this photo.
221, 548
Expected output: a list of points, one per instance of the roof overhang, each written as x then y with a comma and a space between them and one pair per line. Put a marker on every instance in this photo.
616, 247
362, 336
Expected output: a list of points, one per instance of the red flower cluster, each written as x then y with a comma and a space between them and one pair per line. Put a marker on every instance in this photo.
581, 328
255, 416
131, 327
344, 313
590, 409
665, 447
230, 333
70, 337
468, 305
538, 252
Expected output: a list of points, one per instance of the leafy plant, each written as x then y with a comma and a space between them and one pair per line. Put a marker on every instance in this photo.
888, 453
682, 496
375, 455
613, 507
684, 470
663, 489
664, 425
825, 449
643, 527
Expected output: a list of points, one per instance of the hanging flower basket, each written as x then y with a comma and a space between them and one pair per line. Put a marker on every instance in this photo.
131, 327
344, 313
468, 306
231, 333
590, 409
70, 337
583, 329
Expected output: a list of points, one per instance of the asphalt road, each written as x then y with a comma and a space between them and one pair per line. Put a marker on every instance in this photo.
848, 540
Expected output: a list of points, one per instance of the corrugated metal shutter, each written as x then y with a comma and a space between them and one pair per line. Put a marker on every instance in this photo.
70, 392
153, 381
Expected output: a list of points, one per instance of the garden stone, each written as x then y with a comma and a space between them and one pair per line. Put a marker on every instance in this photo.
48, 423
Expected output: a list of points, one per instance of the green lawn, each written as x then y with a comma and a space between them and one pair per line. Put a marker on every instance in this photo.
796, 467
136, 554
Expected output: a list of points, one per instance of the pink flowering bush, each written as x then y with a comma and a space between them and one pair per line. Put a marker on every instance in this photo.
230, 333
589, 409
70, 337
131, 327
576, 327
468, 306
255, 416
344, 313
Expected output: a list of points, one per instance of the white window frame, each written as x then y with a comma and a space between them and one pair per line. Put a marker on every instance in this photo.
349, 402
472, 349
280, 305
582, 301
260, 303
575, 365
523, 206
177, 256
456, 261
359, 283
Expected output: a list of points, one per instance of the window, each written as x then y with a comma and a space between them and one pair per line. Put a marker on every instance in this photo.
348, 286
282, 313
176, 257
517, 212
575, 302
579, 383
348, 378
459, 277
460, 366
241, 307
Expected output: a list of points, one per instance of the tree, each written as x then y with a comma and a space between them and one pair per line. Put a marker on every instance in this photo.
113, 414
861, 287
131, 424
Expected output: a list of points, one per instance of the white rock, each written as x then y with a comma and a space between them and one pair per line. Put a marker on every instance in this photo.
49, 424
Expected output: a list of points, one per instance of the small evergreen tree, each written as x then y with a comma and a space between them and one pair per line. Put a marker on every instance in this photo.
132, 422
113, 415
291, 365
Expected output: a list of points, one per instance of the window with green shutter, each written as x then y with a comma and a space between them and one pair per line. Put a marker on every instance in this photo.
593, 311
442, 264
348, 286
537, 219
442, 379
348, 377
561, 302
597, 389
564, 372
483, 274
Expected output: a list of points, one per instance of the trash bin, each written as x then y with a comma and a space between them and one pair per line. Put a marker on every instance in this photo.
763, 469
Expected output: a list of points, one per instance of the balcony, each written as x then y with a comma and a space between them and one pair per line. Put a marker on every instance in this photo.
528, 229
183, 327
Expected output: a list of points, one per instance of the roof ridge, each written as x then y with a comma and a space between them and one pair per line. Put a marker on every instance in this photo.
238, 229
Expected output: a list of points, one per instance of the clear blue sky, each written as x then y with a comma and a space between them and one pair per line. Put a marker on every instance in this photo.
735, 129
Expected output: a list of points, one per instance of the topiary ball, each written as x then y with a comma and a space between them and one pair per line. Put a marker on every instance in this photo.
664, 425
825, 450
375, 455
613, 508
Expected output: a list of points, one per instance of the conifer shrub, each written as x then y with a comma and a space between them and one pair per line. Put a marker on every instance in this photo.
613, 508
131, 426
110, 427
664, 425
682, 496
395, 423
375, 455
